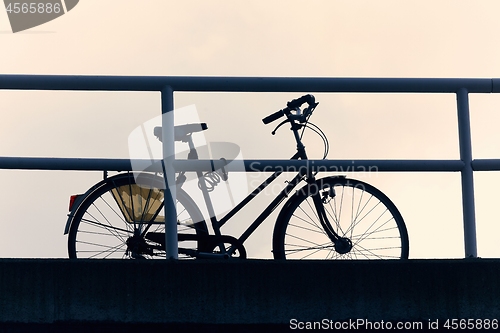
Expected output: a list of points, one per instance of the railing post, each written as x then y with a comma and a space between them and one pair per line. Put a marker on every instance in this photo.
464, 137
167, 107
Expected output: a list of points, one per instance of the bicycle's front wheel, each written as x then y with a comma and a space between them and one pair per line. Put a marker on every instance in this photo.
114, 219
369, 224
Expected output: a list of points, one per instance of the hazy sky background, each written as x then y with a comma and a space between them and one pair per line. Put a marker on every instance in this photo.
256, 38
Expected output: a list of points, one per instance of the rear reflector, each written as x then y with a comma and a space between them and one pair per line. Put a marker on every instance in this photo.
72, 200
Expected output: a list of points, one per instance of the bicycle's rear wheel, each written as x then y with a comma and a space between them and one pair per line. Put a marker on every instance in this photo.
111, 222
355, 210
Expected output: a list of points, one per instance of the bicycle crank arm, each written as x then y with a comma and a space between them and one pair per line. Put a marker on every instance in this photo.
207, 244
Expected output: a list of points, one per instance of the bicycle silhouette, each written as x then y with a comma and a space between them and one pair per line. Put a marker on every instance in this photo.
328, 218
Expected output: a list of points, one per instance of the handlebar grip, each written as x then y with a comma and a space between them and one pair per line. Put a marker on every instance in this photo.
301, 100
273, 117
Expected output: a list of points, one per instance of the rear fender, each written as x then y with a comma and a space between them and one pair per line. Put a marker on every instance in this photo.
81, 198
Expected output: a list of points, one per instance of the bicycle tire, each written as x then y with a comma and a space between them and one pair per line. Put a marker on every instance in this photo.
356, 210
100, 227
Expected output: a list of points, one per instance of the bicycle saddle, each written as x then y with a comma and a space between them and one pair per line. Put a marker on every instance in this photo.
181, 132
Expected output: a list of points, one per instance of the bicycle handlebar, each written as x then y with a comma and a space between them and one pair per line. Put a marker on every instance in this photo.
273, 117
309, 99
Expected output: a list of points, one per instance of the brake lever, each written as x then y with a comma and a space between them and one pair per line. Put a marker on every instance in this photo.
280, 124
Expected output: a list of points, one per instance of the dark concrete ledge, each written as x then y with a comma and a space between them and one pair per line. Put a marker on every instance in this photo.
46, 294
111, 327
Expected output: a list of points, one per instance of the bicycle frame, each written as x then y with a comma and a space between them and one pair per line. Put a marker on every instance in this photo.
306, 175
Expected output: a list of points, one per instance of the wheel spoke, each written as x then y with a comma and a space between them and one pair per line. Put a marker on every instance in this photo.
112, 221
358, 212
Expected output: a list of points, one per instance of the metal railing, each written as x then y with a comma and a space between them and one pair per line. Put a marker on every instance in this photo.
168, 85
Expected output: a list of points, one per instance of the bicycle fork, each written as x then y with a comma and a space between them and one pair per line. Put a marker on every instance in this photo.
342, 245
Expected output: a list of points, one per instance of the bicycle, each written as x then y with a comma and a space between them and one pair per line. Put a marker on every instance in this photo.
328, 218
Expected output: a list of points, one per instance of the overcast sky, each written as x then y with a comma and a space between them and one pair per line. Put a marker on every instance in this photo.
256, 38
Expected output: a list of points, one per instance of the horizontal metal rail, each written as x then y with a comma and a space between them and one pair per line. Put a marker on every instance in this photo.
167, 85
486, 165
248, 84
253, 165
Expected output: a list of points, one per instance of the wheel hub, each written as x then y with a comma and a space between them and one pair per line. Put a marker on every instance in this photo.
343, 245
137, 246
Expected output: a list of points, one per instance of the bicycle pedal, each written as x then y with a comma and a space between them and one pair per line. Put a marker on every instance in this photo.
187, 223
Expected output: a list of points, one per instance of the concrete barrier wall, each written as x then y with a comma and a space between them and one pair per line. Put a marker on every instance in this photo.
251, 292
